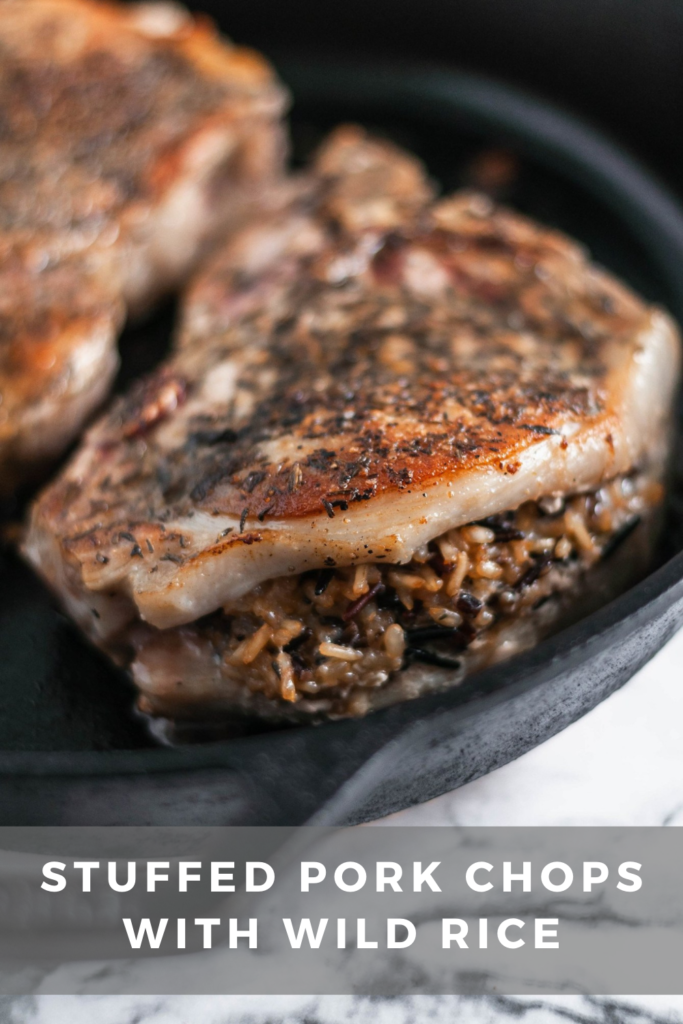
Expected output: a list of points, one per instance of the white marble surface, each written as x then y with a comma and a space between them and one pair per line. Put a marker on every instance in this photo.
620, 765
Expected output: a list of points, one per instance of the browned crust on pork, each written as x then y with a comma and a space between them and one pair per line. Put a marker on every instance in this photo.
104, 109
96, 113
469, 377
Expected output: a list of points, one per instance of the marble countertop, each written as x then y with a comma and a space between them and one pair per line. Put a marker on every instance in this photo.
620, 765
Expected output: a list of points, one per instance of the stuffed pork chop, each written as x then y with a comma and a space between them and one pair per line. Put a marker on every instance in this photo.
128, 134
392, 429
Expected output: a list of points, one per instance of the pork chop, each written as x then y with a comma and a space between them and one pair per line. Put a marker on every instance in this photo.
389, 421
127, 135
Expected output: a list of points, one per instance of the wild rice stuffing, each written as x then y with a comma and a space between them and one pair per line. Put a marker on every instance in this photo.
328, 639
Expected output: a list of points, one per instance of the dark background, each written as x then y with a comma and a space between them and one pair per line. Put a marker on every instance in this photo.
617, 62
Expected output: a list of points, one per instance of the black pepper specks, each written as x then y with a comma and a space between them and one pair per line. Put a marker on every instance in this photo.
296, 477
253, 480
323, 581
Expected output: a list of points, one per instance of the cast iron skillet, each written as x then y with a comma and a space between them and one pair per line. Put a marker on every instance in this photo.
71, 751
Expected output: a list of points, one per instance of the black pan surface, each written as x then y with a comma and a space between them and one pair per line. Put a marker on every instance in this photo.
71, 749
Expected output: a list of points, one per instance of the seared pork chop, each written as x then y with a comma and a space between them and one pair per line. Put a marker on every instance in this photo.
127, 135
389, 422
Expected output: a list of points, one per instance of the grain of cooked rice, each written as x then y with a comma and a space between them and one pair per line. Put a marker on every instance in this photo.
484, 618
285, 670
329, 650
431, 581
542, 544
455, 580
288, 630
490, 570
395, 641
253, 645
449, 552
577, 529
478, 535
445, 616
406, 581
360, 581
563, 548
